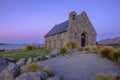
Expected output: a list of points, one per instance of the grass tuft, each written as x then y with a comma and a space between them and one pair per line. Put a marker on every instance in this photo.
32, 67
69, 45
48, 70
87, 48
63, 50
109, 76
29, 47
105, 51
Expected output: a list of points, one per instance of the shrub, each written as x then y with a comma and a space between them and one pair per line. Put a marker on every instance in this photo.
94, 48
99, 47
115, 54
105, 51
29, 47
63, 50
48, 70
33, 47
32, 67
109, 76
87, 48
69, 45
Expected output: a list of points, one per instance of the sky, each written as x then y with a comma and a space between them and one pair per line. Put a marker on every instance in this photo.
27, 21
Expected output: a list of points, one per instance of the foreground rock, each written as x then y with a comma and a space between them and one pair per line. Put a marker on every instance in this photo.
39, 58
21, 62
3, 64
39, 75
10, 72
29, 61
53, 78
55, 52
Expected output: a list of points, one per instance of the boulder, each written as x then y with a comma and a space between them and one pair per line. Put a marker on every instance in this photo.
3, 64
55, 52
21, 62
53, 78
47, 56
29, 61
39, 58
39, 75
10, 59
10, 72
51, 55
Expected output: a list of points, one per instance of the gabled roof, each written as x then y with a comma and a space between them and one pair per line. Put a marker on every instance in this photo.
58, 29
63, 27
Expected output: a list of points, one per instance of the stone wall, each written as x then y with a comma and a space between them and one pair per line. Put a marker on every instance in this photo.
55, 41
81, 24
78, 25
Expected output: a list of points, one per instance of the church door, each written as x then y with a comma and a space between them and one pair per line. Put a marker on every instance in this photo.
83, 40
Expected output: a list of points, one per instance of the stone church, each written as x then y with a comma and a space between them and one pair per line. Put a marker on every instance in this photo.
77, 28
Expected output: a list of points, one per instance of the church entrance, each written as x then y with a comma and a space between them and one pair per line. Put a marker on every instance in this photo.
83, 40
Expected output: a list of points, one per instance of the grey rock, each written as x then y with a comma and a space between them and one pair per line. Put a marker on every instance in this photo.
47, 56
51, 55
39, 58
55, 52
53, 78
21, 62
10, 59
29, 61
72, 51
39, 75
3, 64
10, 72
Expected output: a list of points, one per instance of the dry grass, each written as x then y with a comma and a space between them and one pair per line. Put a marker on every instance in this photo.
109, 76
105, 51
32, 67
69, 45
63, 50
87, 48
29, 47
90, 48
48, 70
115, 54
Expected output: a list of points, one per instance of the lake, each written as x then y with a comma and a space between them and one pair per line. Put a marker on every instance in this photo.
11, 46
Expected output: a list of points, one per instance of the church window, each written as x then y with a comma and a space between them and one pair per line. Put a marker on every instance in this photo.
73, 17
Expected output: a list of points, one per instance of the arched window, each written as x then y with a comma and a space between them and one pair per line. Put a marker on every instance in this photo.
84, 39
73, 17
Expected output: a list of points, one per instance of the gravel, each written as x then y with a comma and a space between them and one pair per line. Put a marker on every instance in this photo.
81, 66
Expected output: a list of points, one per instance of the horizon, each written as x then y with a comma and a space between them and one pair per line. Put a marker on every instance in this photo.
27, 21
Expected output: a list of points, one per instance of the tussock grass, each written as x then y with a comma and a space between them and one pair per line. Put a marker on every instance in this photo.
69, 45
105, 51
32, 67
109, 76
29, 47
48, 70
90, 48
63, 50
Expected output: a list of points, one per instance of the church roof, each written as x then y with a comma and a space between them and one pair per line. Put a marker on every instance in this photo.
58, 29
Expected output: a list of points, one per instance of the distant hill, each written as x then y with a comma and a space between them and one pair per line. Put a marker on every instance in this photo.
110, 41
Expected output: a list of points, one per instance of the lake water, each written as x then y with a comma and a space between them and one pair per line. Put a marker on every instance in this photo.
11, 46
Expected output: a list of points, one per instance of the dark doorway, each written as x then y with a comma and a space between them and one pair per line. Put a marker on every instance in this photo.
83, 40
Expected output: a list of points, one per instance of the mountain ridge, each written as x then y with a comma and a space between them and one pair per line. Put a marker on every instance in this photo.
115, 40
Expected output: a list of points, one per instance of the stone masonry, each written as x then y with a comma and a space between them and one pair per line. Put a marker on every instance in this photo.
78, 29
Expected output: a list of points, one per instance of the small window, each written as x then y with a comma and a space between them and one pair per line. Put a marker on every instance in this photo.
73, 17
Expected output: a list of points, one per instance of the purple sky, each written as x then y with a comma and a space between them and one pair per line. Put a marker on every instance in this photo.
24, 21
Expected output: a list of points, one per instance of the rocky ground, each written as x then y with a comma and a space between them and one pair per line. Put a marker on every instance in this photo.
77, 65
81, 66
